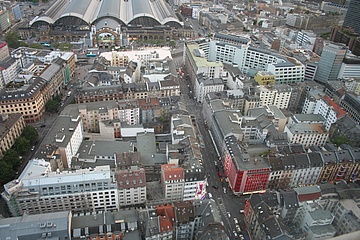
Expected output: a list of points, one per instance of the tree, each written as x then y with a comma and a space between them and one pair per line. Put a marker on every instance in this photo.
21, 145
52, 106
172, 43
11, 157
30, 133
341, 139
6, 173
12, 39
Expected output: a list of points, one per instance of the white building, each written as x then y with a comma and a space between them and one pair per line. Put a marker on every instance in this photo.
172, 180
306, 134
9, 69
347, 216
195, 180
67, 135
277, 95
306, 39
317, 224
131, 186
38, 190
350, 67
204, 85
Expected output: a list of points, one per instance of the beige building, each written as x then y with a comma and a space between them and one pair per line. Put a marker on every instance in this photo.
131, 186
4, 51
308, 134
28, 100
11, 127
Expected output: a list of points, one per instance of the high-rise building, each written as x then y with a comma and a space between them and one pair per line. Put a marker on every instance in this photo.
330, 62
352, 17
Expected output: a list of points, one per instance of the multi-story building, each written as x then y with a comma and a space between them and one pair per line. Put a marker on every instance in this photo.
172, 180
245, 175
196, 62
11, 127
39, 190
4, 51
330, 110
37, 226
185, 219
339, 165
350, 67
277, 95
29, 100
351, 104
195, 180
265, 78
352, 16
330, 62
63, 140
307, 134
347, 36
347, 216
9, 68
204, 85
131, 186
181, 128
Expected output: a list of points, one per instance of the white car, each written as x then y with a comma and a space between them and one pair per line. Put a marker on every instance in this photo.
210, 195
229, 215
236, 221
224, 189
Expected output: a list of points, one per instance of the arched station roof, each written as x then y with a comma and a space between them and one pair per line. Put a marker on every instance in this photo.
123, 11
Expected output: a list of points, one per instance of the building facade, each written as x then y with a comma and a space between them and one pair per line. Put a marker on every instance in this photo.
11, 127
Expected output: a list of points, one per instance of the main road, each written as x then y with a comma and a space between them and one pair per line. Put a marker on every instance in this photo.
228, 203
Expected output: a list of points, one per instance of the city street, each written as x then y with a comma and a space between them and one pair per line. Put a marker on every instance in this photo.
227, 202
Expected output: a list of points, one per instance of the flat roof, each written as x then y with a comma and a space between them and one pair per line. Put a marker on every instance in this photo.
200, 61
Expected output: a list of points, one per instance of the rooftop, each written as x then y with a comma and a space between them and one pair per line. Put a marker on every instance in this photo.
172, 172
130, 178
201, 61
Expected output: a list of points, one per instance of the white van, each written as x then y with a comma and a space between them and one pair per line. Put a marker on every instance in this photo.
210, 195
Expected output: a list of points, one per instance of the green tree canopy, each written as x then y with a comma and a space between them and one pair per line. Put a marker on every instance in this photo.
6, 173
13, 40
52, 106
30, 133
11, 157
341, 139
21, 145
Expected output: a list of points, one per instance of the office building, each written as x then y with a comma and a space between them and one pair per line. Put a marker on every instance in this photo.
37, 226
39, 190
352, 17
4, 51
204, 85
307, 134
330, 62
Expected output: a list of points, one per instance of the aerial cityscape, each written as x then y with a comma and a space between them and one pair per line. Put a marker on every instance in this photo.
180, 119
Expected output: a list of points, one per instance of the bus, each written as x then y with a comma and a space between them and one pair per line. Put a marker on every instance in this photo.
91, 55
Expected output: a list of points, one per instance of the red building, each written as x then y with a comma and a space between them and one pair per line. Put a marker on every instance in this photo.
245, 175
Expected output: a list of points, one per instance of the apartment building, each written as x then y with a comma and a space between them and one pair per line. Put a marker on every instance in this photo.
62, 142
195, 180
330, 110
9, 68
277, 95
131, 186
39, 190
181, 128
172, 180
204, 85
347, 215
28, 100
245, 175
11, 127
307, 134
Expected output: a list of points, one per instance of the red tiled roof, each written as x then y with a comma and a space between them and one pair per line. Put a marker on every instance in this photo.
172, 172
130, 178
166, 217
309, 196
340, 112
